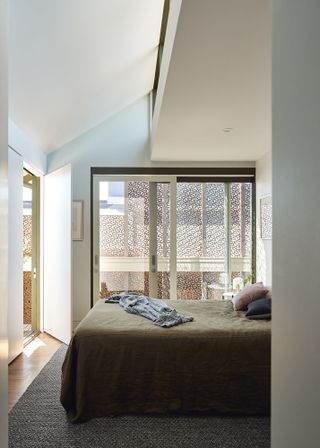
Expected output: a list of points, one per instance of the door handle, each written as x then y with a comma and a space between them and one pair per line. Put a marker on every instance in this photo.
153, 263
96, 263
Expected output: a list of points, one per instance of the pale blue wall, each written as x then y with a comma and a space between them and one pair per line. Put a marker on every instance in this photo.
21, 143
123, 140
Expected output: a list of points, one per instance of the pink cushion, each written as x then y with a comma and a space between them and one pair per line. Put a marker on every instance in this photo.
249, 294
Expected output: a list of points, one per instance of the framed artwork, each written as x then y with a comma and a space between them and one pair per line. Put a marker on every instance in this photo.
77, 220
266, 217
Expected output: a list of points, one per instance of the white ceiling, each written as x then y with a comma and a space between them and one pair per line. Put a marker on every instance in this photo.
74, 63
219, 77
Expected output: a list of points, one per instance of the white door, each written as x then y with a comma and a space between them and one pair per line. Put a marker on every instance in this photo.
57, 278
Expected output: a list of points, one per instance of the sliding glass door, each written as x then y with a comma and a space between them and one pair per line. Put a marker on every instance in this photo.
201, 240
214, 237
132, 236
170, 238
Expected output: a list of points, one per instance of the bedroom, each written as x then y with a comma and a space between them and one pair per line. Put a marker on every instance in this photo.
126, 136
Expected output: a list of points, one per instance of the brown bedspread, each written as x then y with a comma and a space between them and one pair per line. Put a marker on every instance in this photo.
121, 363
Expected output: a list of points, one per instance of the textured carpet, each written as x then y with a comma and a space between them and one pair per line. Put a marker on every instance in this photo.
38, 421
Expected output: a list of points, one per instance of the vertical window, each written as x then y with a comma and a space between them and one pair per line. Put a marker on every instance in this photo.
214, 238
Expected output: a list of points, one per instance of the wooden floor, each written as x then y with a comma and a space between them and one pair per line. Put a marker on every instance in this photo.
24, 369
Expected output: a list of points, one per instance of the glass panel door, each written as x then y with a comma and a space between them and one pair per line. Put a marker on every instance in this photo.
30, 253
201, 240
214, 238
240, 204
132, 246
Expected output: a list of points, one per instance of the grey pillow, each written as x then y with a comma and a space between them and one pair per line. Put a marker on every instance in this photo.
259, 309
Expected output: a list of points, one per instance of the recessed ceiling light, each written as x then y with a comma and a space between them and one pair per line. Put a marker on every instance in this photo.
227, 130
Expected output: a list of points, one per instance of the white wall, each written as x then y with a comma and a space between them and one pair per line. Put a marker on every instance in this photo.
264, 247
15, 265
121, 141
296, 224
22, 144
3, 225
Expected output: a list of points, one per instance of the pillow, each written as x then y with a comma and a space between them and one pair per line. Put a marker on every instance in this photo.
259, 309
249, 294
269, 293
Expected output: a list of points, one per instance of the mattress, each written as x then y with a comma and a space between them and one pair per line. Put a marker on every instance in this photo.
120, 363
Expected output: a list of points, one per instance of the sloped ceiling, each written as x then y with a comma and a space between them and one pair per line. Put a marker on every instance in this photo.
74, 63
219, 77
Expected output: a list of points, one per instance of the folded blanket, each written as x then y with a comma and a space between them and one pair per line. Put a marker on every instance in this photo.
154, 309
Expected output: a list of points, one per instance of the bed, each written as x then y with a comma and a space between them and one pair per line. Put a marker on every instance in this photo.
119, 363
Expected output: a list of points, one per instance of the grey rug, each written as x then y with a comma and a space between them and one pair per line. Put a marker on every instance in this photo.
38, 421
